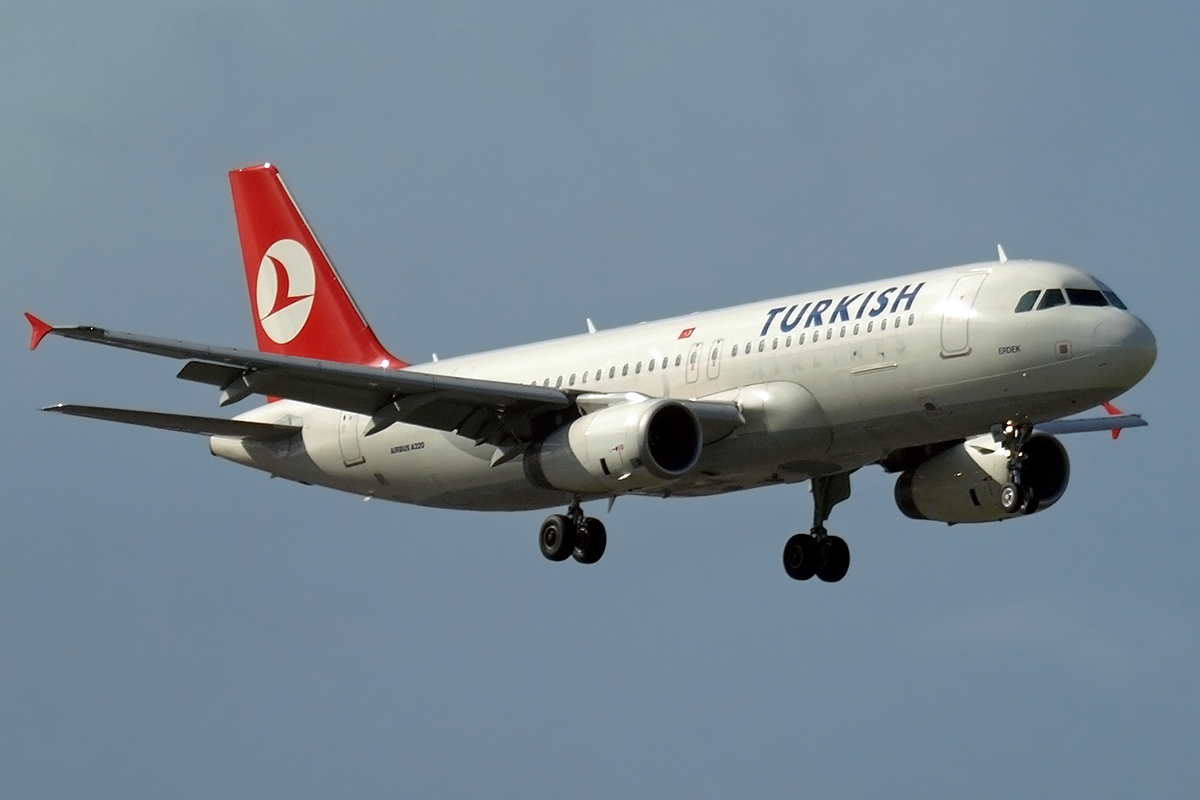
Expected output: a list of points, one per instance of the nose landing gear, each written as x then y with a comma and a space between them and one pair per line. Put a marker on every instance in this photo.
573, 535
817, 553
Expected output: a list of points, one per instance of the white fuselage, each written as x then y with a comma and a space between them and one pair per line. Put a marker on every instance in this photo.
827, 382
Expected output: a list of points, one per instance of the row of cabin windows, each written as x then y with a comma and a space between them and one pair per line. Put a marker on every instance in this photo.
1076, 297
816, 337
612, 371
695, 357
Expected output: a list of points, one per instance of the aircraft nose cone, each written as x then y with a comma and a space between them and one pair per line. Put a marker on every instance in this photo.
1126, 343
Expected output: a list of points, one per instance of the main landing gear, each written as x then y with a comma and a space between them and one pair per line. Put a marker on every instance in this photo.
573, 535
1015, 496
817, 553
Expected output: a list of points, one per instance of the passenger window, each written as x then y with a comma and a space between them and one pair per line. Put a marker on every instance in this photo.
638, 369
678, 360
584, 377
912, 318
883, 325
897, 322
612, 372
571, 382
788, 341
842, 333
775, 344
801, 339
856, 329
624, 370
747, 348
650, 366
693, 359
816, 336
1052, 298
558, 383
735, 347
870, 326
1086, 297
546, 382
1026, 302
664, 362
762, 345
829, 333
599, 372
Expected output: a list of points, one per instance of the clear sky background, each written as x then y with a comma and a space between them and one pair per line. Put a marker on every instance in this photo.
488, 174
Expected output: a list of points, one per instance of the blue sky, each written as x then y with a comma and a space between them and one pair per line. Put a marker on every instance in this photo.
488, 175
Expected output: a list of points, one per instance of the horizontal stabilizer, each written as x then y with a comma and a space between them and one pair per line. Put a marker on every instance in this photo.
184, 423
1060, 426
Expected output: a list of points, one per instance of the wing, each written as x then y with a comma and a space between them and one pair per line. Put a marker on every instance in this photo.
486, 411
1114, 424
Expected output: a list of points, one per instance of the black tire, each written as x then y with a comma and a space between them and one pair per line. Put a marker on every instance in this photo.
1030, 504
590, 542
557, 538
1011, 497
801, 557
836, 563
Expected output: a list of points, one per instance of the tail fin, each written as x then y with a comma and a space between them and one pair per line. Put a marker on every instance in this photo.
300, 306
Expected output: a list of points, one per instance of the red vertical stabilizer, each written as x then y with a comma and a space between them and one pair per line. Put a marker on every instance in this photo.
299, 305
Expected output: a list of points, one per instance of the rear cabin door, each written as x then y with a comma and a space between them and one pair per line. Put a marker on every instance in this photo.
956, 315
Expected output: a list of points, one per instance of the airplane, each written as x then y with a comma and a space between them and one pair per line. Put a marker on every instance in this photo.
957, 380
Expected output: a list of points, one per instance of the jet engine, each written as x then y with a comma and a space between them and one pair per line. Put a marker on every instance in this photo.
963, 484
632, 445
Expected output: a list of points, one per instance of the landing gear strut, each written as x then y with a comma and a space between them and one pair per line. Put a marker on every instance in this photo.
573, 535
1015, 495
817, 553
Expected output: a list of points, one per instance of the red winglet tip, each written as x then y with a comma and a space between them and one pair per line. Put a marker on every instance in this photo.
40, 329
1116, 433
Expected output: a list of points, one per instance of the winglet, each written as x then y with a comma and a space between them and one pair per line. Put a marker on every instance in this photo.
1116, 412
40, 329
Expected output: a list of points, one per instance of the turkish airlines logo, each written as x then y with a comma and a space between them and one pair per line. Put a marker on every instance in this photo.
286, 285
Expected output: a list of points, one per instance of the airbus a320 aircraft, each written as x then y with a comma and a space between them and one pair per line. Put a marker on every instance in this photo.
955, 379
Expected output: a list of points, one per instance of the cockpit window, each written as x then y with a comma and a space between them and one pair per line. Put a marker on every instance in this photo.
1027, 300
1052, 298
1111, 296
1086, 297
1116, 301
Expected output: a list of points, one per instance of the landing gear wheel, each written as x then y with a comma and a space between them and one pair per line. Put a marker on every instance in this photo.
801, 557
836, 561
1011, 497
557, 538
591, 539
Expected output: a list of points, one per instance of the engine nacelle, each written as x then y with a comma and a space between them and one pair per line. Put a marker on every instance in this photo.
635, 445
963, 484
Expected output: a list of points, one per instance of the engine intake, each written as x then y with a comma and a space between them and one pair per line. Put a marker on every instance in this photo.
624, 447
963, 484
